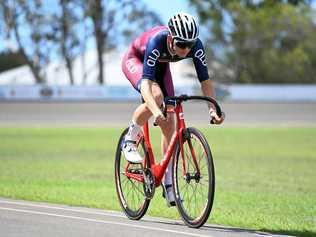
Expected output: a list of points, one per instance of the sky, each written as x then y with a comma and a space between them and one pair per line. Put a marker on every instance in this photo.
167, 8
164, 8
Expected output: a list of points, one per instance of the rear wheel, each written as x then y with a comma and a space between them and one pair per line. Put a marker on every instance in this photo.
194, 179
131, 193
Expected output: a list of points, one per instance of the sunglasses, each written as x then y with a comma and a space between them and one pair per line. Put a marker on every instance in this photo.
184, 44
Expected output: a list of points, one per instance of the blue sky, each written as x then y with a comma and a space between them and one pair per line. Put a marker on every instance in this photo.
167, 8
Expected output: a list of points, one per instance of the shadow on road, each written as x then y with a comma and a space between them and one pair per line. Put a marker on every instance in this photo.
213, 228
292, 232
236, 230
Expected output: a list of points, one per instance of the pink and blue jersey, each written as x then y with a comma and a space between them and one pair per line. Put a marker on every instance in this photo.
148, 58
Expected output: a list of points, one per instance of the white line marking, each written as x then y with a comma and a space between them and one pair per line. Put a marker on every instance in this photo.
70, 209
102, 221
64, 209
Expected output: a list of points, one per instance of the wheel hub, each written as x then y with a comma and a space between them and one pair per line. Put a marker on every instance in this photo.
196, 176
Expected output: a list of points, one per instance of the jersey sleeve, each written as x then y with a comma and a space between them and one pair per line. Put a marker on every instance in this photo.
152, 53
200, 61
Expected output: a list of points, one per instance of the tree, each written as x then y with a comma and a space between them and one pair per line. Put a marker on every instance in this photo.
51, 31
41, 31
67, 37
96, 11
265, 41
138, 19
10, 60
14, 15
116, 18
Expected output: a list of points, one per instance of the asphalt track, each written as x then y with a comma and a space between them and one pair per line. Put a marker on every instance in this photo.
96, 114
21, 218
30, 219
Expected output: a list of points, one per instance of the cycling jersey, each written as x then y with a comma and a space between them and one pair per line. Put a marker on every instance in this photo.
148, 57
157, 52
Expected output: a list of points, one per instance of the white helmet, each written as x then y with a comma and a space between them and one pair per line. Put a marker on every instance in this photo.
183, 26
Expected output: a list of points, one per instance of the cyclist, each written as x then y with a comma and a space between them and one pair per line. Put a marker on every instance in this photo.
146, 66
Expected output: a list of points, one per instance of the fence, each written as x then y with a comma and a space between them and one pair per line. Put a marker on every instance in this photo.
126, 93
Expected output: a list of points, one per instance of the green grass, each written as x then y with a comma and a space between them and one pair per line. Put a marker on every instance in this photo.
265, 177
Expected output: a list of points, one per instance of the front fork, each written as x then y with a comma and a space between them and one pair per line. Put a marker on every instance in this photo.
186, 138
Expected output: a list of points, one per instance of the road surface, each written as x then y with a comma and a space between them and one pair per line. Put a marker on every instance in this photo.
30, 219
119, 114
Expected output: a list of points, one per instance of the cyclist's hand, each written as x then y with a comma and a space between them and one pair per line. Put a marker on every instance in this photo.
214, 117
160, 119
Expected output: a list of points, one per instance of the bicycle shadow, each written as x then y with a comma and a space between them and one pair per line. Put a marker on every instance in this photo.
233, 230
292, 232
264, 232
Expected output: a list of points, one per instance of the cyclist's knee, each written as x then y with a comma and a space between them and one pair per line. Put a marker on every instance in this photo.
169, 127
158, 96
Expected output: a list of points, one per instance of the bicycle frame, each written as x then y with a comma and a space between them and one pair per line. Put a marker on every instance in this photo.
189, 155
158, 169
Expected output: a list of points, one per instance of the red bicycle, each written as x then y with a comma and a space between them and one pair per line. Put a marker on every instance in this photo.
193, 174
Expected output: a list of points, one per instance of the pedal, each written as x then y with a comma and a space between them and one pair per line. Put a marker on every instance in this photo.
135, 170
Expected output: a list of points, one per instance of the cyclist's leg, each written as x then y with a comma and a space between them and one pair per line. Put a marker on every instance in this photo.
142, 113
168, 83
168, 129
164, 79
133, 69
167, 132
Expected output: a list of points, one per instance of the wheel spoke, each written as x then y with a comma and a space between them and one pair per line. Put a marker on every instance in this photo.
136, 187
130, 192
195, 190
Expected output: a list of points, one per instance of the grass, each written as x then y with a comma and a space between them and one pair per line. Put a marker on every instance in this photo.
265, 177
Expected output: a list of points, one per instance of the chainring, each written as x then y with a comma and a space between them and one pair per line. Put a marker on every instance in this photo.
149, 183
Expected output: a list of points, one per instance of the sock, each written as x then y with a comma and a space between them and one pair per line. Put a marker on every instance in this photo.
134, 132
168, 174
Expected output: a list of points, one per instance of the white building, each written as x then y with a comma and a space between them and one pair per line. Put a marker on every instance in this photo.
85, 71
19, 83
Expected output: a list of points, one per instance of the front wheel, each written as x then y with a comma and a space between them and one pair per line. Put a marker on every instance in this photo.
131, 193
194, 178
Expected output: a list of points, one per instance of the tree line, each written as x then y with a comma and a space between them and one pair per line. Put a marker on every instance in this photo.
44, 31
267, 41
262, 41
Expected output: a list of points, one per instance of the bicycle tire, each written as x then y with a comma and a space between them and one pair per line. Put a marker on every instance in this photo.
132, 199
188, 187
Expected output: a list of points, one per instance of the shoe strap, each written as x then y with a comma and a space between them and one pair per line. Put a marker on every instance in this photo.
167, 186
130, 141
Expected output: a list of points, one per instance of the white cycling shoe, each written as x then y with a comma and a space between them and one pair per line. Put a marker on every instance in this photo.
130, 152
168, 195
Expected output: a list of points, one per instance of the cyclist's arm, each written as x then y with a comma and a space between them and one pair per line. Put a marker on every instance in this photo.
207, 88
146, 91
200, 63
